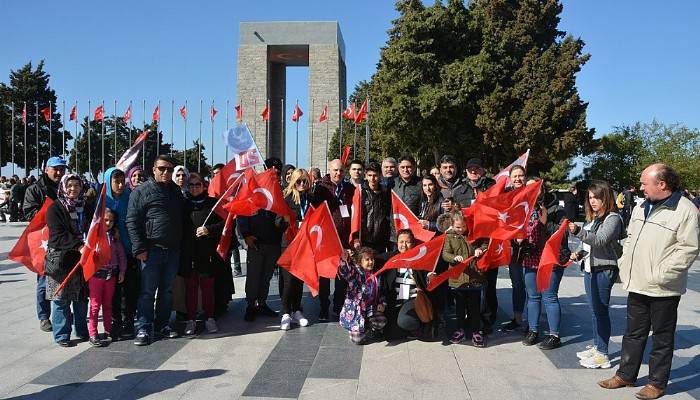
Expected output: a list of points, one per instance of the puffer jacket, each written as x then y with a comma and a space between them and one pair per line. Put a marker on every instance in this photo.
660, 248
376, 212
603, 239
155, 216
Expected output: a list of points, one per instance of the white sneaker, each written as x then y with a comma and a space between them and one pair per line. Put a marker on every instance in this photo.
286, 322
598, 360
299, 318
190, 328
210, 324
588, 353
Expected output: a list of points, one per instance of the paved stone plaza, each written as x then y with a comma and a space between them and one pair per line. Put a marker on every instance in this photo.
257, 360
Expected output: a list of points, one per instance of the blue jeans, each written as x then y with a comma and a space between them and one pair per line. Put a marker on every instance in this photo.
157, 274
62, 318
598, 287
517, 281
43, 306
550, 298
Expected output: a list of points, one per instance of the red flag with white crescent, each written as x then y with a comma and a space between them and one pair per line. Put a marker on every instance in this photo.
99, 113
422, 257
451, 273
30, 248
505, 172
361, 113
226, 237
497, 254
349, 112
356, 216
183, 112
73, 113
156, 113
550, 257
212, 113
405, 219
297, 113
265, 114
46, 112
127, 114
324, 114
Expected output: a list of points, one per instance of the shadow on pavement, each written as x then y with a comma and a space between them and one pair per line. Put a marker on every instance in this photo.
125, 386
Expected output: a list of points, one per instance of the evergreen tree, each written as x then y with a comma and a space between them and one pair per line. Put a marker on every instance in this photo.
30, 85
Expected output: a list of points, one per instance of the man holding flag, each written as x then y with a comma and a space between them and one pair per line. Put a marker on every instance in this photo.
155, 220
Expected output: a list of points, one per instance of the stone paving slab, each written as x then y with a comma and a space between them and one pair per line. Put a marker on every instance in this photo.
258, 361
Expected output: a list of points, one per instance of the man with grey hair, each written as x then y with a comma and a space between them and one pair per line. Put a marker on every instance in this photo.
389, 172
663, 242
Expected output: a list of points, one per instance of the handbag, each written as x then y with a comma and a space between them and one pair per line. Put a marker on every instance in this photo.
53, 262
424, 308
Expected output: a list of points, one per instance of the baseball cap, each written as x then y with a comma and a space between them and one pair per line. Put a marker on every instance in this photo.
474, 162
56, 161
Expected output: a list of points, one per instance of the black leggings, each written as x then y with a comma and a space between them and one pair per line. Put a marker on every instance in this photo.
467, 309
291, 292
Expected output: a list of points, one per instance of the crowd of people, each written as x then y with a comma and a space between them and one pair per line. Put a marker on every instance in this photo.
163, 236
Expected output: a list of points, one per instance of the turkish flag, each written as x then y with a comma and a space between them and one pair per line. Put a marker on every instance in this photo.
356, 216
30, 248
127, 114
361, 113
131, 154
346, 154
505, 172
265, 114
183, 112
73, 113
422, 257
452, 273
239, 112
297, 113
226, 236
156, 113
316, 249
405, 219
222, 180
498, 253
324, 114
349, 112
212, 113
99, 113
237, 184
495, 190
46, 112
24, 114
550, 257
504, 216
263, 191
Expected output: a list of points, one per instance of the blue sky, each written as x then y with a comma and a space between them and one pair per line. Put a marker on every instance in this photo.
644, 64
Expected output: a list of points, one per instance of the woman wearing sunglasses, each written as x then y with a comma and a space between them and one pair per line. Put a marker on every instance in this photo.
297, 194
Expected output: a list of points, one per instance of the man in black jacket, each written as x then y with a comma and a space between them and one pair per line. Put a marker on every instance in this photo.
34, 198
376, 212
155, 221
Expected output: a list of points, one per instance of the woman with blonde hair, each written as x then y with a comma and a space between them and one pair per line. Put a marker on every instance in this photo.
598, 254
297, 194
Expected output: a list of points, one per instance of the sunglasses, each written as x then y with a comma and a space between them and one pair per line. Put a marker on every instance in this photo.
302, 182
163, 169
196, 184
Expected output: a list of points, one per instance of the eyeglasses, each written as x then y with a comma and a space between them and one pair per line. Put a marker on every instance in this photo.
196, 184
164, 169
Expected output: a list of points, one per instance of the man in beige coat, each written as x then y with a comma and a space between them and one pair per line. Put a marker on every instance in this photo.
661, 246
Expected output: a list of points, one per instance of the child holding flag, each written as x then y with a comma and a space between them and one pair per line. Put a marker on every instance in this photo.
363, 310
103, 282
466, 288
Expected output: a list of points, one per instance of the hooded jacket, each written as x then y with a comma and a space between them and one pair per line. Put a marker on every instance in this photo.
120, 206
660, 248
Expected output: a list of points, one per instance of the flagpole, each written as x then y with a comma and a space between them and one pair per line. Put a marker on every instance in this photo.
50, 130
89, 141
75, 139
184, 150
116, 122
212, 133
36, 126
13, 138
63, 137
340, 123
327, 143
157, 134
131, 123
143, 145
283, 146
227, 105
354, 136
267, 129
172, 126
296, 141
199, 144
103, 140
26, 145
311, 145
255, 119
367, 133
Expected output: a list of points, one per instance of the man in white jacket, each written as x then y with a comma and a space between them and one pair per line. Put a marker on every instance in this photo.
662, 245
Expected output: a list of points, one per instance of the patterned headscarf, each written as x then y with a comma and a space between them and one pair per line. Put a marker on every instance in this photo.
72, 205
